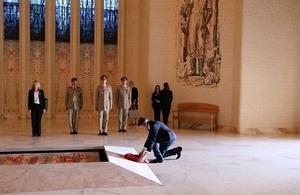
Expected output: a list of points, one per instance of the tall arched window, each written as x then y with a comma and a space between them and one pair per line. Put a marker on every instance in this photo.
11, 15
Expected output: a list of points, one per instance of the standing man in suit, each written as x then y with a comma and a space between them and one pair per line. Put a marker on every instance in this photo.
166, 98
36, 107
74, 103
123, 102
103, 104
134, 102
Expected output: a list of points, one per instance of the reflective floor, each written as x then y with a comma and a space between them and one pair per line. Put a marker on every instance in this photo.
212, 162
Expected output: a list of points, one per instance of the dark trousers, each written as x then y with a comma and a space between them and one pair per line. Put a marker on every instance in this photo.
36, 119
161, 151
171, 152
156, 110
166, 112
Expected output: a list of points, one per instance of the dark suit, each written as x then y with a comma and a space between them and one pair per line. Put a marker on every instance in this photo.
160, 133
166, 98
37, 108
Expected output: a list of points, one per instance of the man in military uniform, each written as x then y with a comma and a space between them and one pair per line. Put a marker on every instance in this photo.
123, 102
73, 103
103, 104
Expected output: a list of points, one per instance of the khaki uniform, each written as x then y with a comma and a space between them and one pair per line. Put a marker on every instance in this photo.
74, 103
103, 104
123, 103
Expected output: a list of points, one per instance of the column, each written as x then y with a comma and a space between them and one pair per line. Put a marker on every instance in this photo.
1, 58
75, 39
50, 55
121, 39
24, 49
98, 41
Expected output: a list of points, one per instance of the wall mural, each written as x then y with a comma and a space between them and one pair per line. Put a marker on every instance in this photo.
198, 43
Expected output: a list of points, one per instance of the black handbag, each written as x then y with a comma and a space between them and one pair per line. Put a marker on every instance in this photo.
46, 103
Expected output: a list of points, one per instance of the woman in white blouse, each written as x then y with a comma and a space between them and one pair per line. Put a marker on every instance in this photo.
36, 107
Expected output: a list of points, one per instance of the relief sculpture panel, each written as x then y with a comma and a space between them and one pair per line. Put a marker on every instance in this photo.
198, 43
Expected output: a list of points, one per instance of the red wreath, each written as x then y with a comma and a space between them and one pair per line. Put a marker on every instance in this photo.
134, 157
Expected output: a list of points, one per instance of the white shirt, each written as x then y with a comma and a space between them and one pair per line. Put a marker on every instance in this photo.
36, 97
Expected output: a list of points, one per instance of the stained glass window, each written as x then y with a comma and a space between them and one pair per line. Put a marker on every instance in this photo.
37, 19
110, 21
63, 14
11, 19
87, 21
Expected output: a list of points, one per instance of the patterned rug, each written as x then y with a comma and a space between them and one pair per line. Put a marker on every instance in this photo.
48, 157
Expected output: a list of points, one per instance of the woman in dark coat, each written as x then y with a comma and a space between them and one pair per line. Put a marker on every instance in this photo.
134, 102
36, 107
156, 103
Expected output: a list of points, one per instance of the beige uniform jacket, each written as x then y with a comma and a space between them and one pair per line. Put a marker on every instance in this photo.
103, 99
71, 92
123, 97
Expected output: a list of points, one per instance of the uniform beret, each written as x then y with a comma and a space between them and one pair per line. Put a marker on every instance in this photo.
124, 78
73, 79
103, 77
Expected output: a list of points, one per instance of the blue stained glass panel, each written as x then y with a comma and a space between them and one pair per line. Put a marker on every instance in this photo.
63, 15
11, 14
37, 19
87, 21
110, 21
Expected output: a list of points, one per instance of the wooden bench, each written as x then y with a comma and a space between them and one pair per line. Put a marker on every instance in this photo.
181, 114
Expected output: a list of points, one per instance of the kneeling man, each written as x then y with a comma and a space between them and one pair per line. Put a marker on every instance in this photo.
160, 138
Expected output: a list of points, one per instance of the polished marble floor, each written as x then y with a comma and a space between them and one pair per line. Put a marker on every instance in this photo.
212, 163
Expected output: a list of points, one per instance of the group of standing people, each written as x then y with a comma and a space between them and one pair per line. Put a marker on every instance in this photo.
161, 102
126, 99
